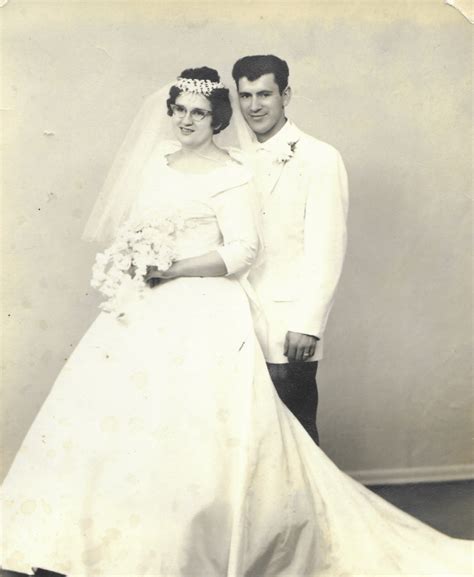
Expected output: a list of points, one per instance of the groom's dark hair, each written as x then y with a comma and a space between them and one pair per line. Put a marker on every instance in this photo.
252, 67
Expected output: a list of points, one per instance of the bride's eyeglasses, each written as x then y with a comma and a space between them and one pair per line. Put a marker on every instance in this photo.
197, 114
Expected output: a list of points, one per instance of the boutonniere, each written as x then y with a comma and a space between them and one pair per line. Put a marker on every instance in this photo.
289, 152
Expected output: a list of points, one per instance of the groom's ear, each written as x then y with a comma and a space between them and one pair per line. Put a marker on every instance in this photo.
286, 95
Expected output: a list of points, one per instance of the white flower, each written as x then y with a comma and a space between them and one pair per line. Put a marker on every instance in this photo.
287, 153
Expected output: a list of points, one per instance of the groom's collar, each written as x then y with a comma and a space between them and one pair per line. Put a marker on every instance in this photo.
288, 133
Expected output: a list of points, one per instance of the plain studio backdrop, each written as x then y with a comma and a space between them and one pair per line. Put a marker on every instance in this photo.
387, 83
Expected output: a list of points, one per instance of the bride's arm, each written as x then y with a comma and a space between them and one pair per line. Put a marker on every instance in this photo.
239, 249
210, 264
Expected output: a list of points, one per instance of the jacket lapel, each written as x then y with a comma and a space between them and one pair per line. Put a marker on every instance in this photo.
276, 168
271, 181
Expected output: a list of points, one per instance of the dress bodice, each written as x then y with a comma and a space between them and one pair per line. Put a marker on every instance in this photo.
213, 206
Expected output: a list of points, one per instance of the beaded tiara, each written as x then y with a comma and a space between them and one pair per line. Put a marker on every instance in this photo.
196, 86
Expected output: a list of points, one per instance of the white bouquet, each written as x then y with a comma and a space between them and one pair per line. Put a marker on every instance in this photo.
138, 245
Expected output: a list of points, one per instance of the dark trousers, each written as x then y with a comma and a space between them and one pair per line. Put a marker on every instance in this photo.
297, 388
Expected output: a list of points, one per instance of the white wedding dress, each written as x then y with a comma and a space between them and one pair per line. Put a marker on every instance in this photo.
163, 449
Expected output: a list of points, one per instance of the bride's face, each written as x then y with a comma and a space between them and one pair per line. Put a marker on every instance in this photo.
192, 117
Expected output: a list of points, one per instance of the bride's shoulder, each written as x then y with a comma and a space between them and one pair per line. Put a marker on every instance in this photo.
238, 163
235, 155
235, 173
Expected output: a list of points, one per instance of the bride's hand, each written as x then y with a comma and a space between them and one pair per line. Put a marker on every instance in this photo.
154, 273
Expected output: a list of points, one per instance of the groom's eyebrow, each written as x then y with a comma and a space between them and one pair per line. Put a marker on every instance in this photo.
259, 93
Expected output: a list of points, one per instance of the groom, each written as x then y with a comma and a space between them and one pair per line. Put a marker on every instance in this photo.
302, 187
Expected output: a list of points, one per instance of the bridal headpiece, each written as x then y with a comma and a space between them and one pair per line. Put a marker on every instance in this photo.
197, 86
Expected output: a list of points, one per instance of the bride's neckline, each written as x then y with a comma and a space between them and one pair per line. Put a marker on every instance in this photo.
225, 164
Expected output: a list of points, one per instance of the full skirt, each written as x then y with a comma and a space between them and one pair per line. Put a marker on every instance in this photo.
163, 450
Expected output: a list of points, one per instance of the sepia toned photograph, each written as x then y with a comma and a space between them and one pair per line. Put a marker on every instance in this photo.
236, 288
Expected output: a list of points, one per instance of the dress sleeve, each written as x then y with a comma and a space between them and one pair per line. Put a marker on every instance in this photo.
235, 218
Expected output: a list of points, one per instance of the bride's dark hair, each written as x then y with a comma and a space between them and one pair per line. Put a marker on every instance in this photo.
219, 97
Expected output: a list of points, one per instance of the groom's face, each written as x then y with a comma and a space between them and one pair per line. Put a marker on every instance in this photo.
262, 105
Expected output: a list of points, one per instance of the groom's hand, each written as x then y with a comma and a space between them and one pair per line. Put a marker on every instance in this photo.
299, 347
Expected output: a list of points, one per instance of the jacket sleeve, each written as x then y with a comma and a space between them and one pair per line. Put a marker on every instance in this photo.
235, 218
325, 239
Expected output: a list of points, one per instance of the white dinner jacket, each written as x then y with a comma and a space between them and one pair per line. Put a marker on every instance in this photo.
301, 183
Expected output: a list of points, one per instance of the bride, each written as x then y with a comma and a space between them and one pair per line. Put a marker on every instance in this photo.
163, 449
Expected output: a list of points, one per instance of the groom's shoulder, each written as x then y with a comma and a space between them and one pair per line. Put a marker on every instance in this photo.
313, 148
